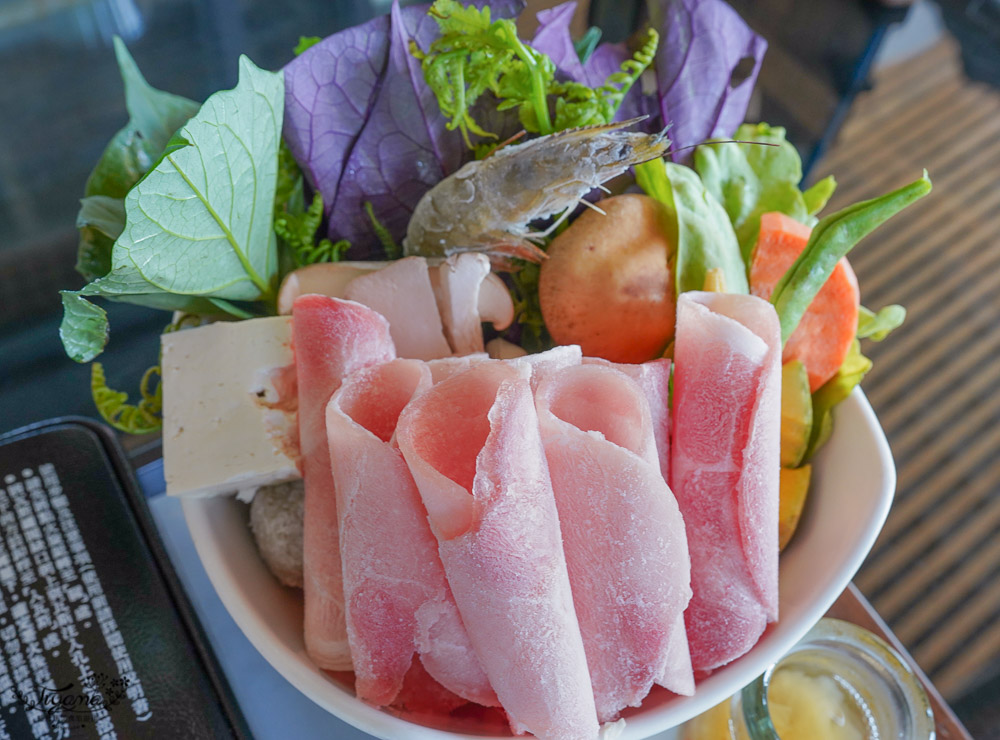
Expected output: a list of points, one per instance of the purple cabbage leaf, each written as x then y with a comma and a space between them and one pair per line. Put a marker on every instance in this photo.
706, 68
377, 136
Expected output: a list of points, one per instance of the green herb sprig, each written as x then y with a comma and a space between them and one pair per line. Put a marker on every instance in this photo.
476, 54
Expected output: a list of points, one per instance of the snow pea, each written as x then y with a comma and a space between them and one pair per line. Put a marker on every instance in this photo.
832, 238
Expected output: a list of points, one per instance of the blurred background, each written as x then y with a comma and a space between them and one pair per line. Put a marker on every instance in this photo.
869, 91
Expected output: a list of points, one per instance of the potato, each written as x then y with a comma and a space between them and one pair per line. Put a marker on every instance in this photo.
607, 284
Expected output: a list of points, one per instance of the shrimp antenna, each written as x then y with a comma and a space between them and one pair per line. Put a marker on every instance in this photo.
585, 202
726, 141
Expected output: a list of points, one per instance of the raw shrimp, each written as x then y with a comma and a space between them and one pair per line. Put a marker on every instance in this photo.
486, 205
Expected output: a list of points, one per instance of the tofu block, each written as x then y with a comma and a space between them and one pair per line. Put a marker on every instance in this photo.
221, 431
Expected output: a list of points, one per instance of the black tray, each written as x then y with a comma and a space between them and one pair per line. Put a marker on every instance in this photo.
98, 637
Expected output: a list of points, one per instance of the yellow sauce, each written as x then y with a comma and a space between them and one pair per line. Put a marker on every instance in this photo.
813, 707
715, 724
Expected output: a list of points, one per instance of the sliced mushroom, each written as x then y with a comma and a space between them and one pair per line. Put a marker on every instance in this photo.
326, 278
500, 349
468, 294
401, 291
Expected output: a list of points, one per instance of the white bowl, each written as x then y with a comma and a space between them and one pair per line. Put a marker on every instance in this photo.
853, 484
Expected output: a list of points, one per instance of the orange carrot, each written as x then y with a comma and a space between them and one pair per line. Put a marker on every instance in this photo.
824, 334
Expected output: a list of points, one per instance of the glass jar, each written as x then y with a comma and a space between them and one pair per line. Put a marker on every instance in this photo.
840, 682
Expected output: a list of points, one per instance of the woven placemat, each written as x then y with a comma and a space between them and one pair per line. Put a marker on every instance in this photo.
934, 573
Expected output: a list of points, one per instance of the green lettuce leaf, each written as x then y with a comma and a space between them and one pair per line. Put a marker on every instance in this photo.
699, 225
818, 196
750, 180
84, 327
876, 326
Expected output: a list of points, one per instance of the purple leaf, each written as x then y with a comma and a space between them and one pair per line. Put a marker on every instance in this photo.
706, 67
405, 147
329, 91
553, 39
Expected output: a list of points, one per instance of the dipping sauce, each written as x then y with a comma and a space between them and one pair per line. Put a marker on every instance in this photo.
840, 682
805, 706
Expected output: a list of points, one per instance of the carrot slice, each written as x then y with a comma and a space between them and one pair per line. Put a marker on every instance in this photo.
824, 334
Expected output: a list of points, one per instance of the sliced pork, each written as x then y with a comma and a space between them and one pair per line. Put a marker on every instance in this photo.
724, 468
653, 378
331, 338
395, 591
473, 446
622, 532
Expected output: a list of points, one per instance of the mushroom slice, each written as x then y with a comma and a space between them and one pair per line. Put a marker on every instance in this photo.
401, 291
468, 294
325, 278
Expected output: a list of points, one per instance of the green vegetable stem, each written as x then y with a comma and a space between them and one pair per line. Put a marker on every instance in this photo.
832, 238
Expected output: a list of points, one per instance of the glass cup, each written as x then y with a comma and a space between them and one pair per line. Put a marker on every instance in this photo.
840, 682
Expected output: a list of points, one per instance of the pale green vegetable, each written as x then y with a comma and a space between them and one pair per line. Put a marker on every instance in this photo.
700, 228
154, 116
876, 326
84, 328
750, 179
832, 392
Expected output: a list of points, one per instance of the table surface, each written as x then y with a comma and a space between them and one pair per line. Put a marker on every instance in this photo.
260, 690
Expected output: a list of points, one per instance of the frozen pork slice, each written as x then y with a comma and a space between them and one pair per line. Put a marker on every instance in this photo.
391, 566
724, 468
473, 446
622, 533
445, 367
331, 338
653, 378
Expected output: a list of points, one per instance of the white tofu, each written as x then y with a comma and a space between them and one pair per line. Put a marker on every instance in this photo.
219, 436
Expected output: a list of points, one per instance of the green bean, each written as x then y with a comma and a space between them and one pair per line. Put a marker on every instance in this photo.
832, 238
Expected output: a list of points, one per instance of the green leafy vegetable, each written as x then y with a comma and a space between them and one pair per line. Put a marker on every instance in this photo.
876, 326
100, 221
294, 224
699, 227
835, 390
476, 54
819, 195
306, 43
586, 44
579, 105
527, 309
114, 407
199, 224
750, 180
154, 116
297, 231
832, 238
84, 327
